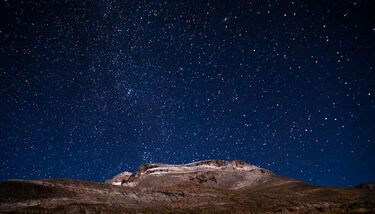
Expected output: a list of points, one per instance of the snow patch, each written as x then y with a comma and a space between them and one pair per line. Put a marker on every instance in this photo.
187, 169
124, 173
116, 183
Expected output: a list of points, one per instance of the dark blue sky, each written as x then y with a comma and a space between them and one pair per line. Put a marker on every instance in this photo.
93, 88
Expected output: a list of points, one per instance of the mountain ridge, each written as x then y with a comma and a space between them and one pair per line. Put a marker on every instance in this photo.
125, 178
210, 186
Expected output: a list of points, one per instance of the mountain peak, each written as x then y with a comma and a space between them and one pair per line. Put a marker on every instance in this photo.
204, 163
233, 174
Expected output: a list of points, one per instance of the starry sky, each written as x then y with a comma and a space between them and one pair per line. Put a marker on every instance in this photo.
89, 89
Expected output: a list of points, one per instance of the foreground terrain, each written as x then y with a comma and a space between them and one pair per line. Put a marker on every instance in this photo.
201, 187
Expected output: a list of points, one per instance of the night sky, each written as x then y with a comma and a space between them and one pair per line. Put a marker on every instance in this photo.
89, 89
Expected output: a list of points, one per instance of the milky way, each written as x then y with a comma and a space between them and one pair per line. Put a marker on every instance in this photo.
93, 88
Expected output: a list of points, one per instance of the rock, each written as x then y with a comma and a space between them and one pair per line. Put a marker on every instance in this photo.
119, 179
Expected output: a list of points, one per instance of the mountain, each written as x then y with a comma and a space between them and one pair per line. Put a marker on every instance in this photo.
212, 186
213, 173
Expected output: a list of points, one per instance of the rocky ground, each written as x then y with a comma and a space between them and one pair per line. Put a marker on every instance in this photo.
201, 187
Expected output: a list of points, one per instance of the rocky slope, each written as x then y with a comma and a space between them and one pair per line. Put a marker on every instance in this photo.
200, 187
215, 173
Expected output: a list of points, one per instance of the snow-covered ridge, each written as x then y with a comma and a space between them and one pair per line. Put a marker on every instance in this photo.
196, 166
202, 171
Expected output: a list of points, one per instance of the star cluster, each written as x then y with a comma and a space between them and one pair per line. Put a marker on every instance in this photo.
93, 88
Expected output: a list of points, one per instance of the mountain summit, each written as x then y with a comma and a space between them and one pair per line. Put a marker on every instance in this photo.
215, 173
211, 186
